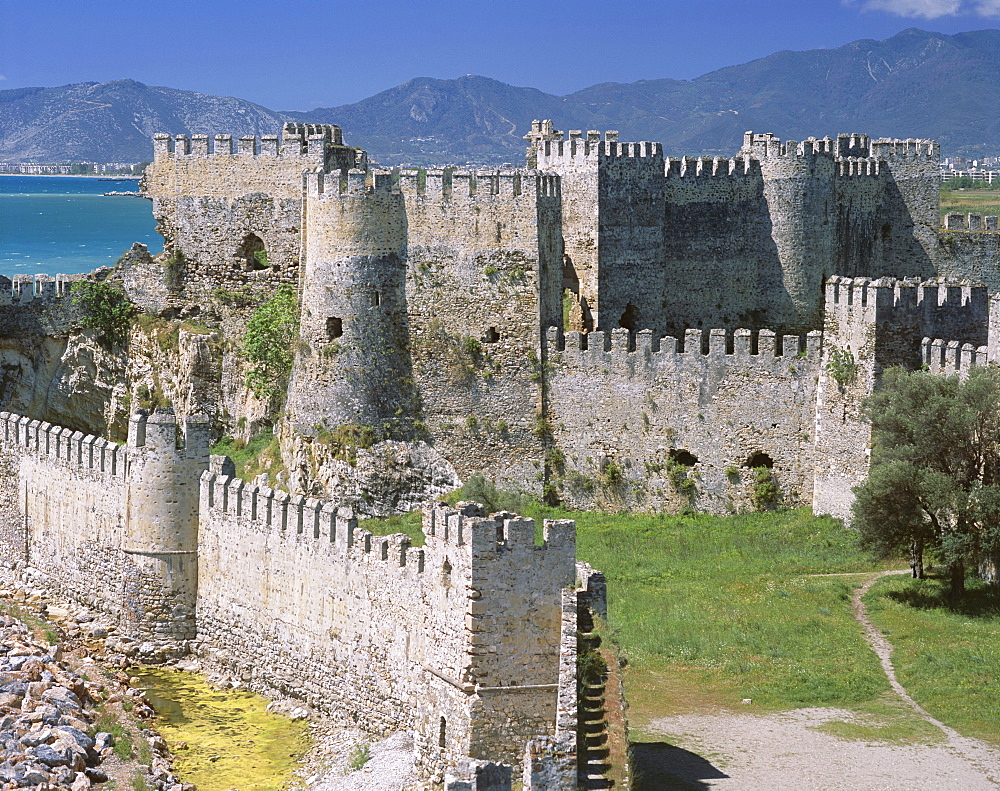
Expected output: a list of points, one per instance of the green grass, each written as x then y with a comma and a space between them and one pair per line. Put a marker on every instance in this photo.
975, 201
724, 608
406, 523
948, 658
261, 454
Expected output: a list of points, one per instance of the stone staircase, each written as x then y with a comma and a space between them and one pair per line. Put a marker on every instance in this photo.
593, 738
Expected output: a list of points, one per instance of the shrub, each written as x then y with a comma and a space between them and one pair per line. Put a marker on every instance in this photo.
105, 308
765, 493
842, 366
268, 343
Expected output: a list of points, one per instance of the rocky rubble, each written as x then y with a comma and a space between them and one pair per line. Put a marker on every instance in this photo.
48, 736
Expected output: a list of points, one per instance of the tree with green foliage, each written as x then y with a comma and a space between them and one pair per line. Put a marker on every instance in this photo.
106, 308
934, 483
268, 343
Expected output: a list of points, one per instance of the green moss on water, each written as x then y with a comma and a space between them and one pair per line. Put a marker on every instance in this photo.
232, 741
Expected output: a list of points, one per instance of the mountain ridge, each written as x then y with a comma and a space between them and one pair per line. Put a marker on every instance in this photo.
914, 84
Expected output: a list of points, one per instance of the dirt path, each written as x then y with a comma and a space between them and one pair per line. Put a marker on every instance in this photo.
762, 752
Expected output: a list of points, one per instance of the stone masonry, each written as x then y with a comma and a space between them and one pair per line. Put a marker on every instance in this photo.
581, 327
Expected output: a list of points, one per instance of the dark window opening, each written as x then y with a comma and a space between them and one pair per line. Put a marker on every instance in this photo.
886, 232
571, 279
759, 459
442, 728
253, 252
376, 299
683, 457
491, 335
446, 574
334, 328
630, 318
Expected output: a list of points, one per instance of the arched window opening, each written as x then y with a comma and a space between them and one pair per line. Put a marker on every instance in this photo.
334, 328
630, 318
253, 252
683, 457
442, 728
759, 459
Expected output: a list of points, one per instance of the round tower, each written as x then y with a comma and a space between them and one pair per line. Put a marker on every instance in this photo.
354, 365
799, 188
161, 523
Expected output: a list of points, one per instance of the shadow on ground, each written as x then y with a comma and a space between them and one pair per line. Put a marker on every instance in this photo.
659, 766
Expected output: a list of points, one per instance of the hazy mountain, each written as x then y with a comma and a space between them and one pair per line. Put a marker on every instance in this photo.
915, 84
115, 121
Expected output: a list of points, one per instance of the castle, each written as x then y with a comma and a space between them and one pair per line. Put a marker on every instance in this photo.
607, 326
604, 327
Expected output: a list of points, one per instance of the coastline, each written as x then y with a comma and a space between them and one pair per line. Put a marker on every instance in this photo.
72, 176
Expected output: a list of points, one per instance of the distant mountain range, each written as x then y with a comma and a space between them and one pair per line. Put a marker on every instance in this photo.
915, 84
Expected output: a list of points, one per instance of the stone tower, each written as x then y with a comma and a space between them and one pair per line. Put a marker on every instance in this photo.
161, 523
354, 365
799, 191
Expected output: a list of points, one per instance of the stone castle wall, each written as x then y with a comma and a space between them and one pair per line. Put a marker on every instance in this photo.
458, 639
463, 640
66, 507
874, 324
643, 403
483, 269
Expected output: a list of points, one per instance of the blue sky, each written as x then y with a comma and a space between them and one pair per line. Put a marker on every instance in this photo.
300, 54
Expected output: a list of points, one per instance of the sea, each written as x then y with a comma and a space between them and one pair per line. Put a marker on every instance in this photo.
65, 225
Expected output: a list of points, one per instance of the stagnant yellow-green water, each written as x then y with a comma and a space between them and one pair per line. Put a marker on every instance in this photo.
232, 742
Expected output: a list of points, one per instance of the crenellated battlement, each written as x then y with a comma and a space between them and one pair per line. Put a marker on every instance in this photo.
956, 221
856, 166
578, 148
24, 289
907, 294
695, 346
911, 148
452, 184
326, 523
306, 141
353, 182
333, 527
951, 358
711, 167
64, 445
467, 525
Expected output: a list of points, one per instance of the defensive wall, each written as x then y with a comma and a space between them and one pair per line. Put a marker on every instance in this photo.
458, 640
468, 641
107, 524
685, 421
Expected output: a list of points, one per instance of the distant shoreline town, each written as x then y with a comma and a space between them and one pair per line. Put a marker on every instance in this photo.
133, 169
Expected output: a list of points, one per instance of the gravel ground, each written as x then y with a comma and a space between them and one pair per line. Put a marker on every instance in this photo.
763, 752
328, 764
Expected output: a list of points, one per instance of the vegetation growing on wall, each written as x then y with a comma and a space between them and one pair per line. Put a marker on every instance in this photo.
106, 308
269, 341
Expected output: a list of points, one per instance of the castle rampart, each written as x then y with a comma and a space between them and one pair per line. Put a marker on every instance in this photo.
460, 638
99, 522
709, 407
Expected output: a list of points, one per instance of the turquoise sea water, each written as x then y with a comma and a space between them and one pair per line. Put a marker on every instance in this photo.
64, 224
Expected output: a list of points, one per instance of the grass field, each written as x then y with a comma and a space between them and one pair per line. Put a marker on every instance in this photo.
948, 658
970, 201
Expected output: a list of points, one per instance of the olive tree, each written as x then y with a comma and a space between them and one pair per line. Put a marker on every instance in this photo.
934, 483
